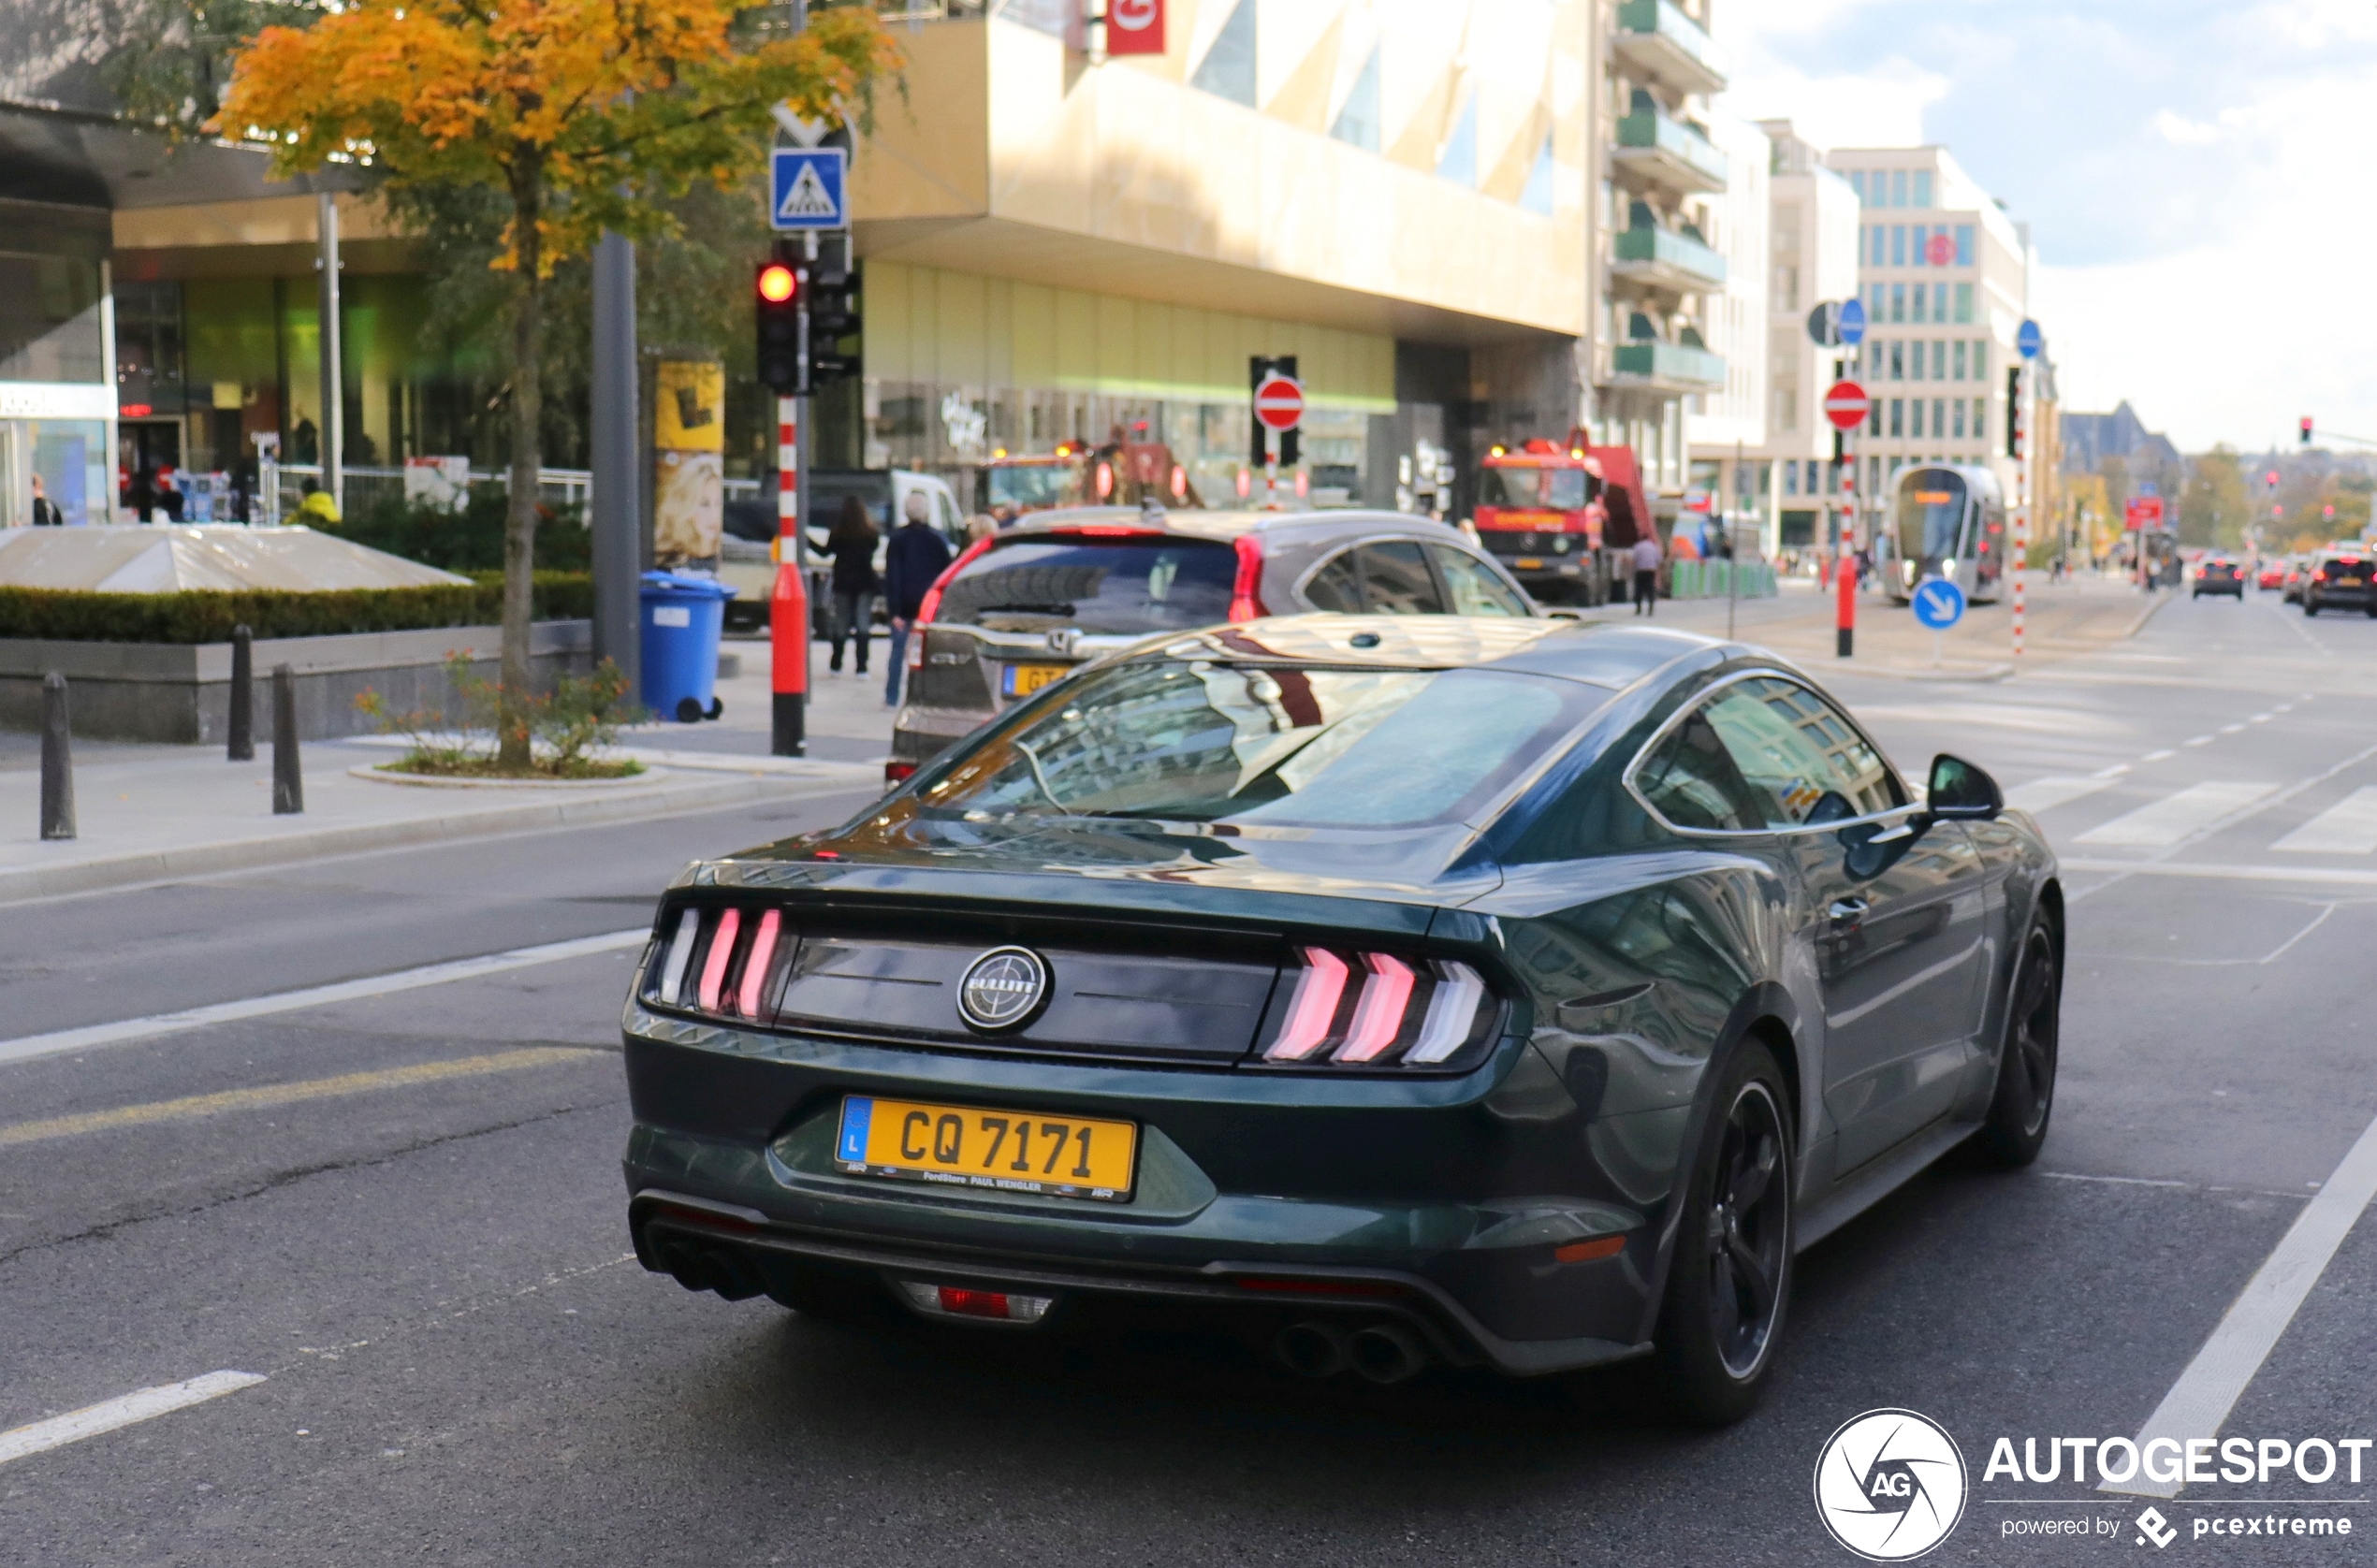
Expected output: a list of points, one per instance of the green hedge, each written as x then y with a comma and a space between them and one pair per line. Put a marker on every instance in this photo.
58, 614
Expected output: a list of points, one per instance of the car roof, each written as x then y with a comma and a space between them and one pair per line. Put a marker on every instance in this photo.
1220, 524
1599, 653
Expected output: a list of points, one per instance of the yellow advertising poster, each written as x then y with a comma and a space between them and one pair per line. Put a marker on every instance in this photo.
691, 411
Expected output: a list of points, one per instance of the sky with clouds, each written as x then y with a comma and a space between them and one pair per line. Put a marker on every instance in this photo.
2199, 176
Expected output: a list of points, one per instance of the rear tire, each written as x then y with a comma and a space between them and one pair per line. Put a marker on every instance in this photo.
2025, 1103
1731, 1279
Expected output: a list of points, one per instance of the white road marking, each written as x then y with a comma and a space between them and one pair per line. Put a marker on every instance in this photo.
316, 996
142, 1404
2041, 794
2198, 1403
2158, 756
2200, 740
2349, 827
2164, 823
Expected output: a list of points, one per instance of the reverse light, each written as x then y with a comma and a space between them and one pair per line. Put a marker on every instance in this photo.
997, 1306
1396, 1013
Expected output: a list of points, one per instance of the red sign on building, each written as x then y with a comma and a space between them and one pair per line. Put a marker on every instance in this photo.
1134, 26
2143, 512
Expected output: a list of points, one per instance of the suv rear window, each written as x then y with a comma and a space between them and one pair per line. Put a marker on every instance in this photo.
1105, 587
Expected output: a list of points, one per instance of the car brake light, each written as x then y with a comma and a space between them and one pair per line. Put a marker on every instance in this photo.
722, 948
1104, 531
1245, 593
762, 951
711, 968
1400, 1014
899, 773
999, 1306
930, 607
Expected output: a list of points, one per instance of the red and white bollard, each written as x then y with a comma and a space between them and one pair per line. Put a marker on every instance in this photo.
2022, 547
788, 605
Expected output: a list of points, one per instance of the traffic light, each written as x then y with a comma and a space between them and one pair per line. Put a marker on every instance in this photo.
780, 302
2014, 414
2306, 440
835, 321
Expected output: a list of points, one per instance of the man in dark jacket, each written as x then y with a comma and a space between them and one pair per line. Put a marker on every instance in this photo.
914, 556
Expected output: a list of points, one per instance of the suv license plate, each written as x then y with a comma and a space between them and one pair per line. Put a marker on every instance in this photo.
1025, 679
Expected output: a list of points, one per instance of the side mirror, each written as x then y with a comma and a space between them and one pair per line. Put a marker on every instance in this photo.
1961, 793
1554, 614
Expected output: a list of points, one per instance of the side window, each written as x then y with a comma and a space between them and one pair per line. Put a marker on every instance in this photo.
1692, 781
1472, 586
1395, 580
949, 523
1806, 762
1337, 585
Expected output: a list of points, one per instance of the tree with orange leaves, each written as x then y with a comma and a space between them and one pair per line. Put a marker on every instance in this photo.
587, 114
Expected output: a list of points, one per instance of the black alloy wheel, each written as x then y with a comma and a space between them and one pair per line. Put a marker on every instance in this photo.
2025, 1099
1731, 1279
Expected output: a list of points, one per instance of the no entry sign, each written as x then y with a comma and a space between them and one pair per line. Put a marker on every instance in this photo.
1279, 402
1846, 404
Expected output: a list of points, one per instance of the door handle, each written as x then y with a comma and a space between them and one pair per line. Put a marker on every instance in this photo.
1848, 911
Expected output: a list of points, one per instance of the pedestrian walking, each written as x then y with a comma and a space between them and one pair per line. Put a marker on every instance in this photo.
45, 511
981, 526
1646, 574
914, 556
851, 544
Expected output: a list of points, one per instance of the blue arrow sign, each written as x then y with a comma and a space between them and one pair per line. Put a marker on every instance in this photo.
1851, 325
806, 187
2029, 340
1938, 603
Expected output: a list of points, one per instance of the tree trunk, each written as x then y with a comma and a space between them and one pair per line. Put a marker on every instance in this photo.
528, 409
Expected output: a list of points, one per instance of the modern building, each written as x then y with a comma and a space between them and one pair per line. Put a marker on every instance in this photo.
2089, 439
1063, 240
1659, 270
1788, 482
1726, 425
1945, 276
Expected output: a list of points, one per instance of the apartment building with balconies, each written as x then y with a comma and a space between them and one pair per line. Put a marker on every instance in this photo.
1659, 243
1946, 277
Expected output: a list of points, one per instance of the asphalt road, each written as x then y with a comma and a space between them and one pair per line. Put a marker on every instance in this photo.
403, 1212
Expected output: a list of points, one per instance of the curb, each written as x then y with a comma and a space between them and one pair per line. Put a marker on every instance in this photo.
23, 883
379, 775
2146, 615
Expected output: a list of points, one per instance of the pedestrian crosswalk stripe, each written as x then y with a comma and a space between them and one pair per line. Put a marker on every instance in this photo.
2042, 794
2349, 827
2175, 818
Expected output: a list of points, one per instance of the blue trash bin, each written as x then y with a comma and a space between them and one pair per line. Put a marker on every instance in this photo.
683, 618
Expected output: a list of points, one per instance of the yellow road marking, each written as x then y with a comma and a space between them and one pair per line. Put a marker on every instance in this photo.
271, 1095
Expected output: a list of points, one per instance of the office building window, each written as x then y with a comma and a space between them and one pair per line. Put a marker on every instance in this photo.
1790, 479
1358, 122
1898, 187
1872, 475
1898, 416
1980, 419
1815, 477
1939, 359
1922, 294
1898, 362
1959, 364
1915, 418
1959, 419
1922, 188
1939, 303
1939, 419
1897, 301
1898, 244
1227, 70
1980, 359
1881, 235
1874, 417
1857, 183
1915, 244
1964, 244
1964, 303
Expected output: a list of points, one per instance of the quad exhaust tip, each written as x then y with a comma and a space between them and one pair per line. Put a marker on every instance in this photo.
1384, 1353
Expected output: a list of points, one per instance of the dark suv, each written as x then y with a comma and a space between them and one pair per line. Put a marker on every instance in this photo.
2219, 575
2339, 579
1023, 608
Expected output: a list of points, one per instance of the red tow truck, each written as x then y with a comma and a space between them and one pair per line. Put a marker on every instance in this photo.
1547, 509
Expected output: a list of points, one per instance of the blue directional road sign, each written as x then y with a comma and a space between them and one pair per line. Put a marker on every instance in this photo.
2029, 340
806, 188
1938, 603
1850, 324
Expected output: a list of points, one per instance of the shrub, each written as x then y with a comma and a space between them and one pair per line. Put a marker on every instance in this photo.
69, 615
581, 715
471, 540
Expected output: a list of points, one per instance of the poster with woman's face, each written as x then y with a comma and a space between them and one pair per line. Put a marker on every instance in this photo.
688, 507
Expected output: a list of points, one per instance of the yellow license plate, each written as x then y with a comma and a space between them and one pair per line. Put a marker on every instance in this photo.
1530, 563
990, 1151
1025, 679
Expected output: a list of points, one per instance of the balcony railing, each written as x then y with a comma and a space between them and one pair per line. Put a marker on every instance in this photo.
1672, 258
1671, 150
1673, 46
1670, 365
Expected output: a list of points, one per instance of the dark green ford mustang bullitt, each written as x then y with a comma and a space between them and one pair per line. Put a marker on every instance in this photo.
1513, 993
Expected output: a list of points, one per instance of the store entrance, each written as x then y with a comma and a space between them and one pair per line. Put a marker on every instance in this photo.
146, 450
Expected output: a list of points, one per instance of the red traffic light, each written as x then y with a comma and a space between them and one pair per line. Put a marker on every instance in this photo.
2306, 430
776, 283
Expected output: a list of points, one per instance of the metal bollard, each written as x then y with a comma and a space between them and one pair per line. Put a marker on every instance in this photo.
242, 748
288, 785
57, 760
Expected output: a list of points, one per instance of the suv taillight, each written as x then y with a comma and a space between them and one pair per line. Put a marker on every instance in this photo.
1246, 592
726, 961
1379, 1011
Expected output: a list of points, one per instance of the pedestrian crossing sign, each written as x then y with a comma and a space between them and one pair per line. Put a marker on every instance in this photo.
806, 186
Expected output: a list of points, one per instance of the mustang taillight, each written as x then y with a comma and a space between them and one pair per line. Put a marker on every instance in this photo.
721, 961
1375, 1010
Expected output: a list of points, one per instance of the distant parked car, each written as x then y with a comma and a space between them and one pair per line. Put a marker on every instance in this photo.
1023, 609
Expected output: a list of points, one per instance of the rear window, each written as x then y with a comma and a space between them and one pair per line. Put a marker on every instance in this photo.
1105, 587
1198, 740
